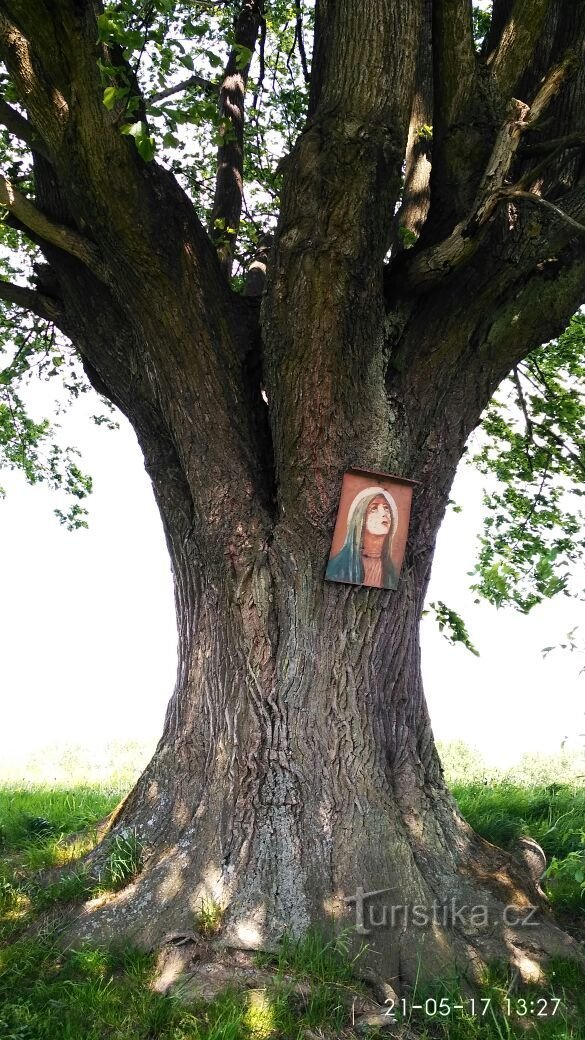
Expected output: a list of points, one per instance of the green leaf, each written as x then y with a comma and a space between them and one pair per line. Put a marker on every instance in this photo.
132, 129
170, 141
111, 95
534, 445
108, 29
146, 146
213, 59
243, 55
452, 626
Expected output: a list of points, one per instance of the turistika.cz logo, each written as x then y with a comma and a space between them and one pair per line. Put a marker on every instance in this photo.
372, 912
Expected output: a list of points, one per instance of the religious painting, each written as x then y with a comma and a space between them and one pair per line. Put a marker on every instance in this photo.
369, 540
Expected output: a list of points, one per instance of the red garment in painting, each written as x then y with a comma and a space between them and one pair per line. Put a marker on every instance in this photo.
372, 558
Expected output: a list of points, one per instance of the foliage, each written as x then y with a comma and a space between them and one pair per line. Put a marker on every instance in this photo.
156, 45
534, 444
466, 766
481, 21
29, 445
451, 625
164, 45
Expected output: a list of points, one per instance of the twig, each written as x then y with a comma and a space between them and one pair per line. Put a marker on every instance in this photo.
530, 196
301, 42
522, 403
262, 60
538, 497
31, 300
193, 81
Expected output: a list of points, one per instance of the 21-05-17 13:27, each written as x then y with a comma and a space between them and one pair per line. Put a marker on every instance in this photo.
539, 1007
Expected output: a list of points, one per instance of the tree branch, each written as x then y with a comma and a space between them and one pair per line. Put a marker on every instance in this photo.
193, 81
229, 184
547, 431
31, 300
501, 10
301, 42
262, 60
416, 195
45, 102
56, 234
552, 84
556, 144
440, 259
516, 44
455, 62
522, 402
147, 251
21, 128
530, 196
462, 127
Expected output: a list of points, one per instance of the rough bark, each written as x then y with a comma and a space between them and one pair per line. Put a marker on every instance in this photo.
229, 189
297, 762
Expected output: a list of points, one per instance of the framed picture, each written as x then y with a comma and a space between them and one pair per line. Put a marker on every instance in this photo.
369, 540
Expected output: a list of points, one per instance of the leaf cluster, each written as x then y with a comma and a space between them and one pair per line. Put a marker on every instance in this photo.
534, 445
31, 445
151, 50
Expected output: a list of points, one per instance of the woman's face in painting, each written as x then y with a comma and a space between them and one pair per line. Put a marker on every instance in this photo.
378, 516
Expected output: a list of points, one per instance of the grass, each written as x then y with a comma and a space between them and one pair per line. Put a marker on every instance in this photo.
553, 815
499, 1012
124, 861
209, 917
31, 813
99, 994
42, 828
312, 957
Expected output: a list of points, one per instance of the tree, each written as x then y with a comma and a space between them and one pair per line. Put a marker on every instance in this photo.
429, 237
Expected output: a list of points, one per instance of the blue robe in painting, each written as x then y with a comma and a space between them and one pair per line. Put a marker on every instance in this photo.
347, 566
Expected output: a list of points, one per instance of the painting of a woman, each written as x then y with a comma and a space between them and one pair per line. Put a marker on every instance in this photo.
366, 555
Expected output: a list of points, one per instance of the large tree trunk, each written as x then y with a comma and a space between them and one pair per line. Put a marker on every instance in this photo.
297, 764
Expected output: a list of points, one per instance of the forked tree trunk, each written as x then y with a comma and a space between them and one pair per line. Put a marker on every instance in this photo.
297, 765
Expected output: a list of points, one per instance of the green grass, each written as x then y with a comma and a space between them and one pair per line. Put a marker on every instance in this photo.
98, 994
42, 828
495, 1013
124, 861
31, 815
312, 957
553, 815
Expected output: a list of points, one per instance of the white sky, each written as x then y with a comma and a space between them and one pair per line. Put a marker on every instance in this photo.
87, 633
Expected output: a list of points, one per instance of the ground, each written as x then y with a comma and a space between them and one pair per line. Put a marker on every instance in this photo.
187, 990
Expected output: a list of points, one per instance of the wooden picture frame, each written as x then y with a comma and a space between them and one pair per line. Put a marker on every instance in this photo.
371, 530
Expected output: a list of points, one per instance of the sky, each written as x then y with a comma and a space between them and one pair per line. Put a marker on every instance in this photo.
87, 630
